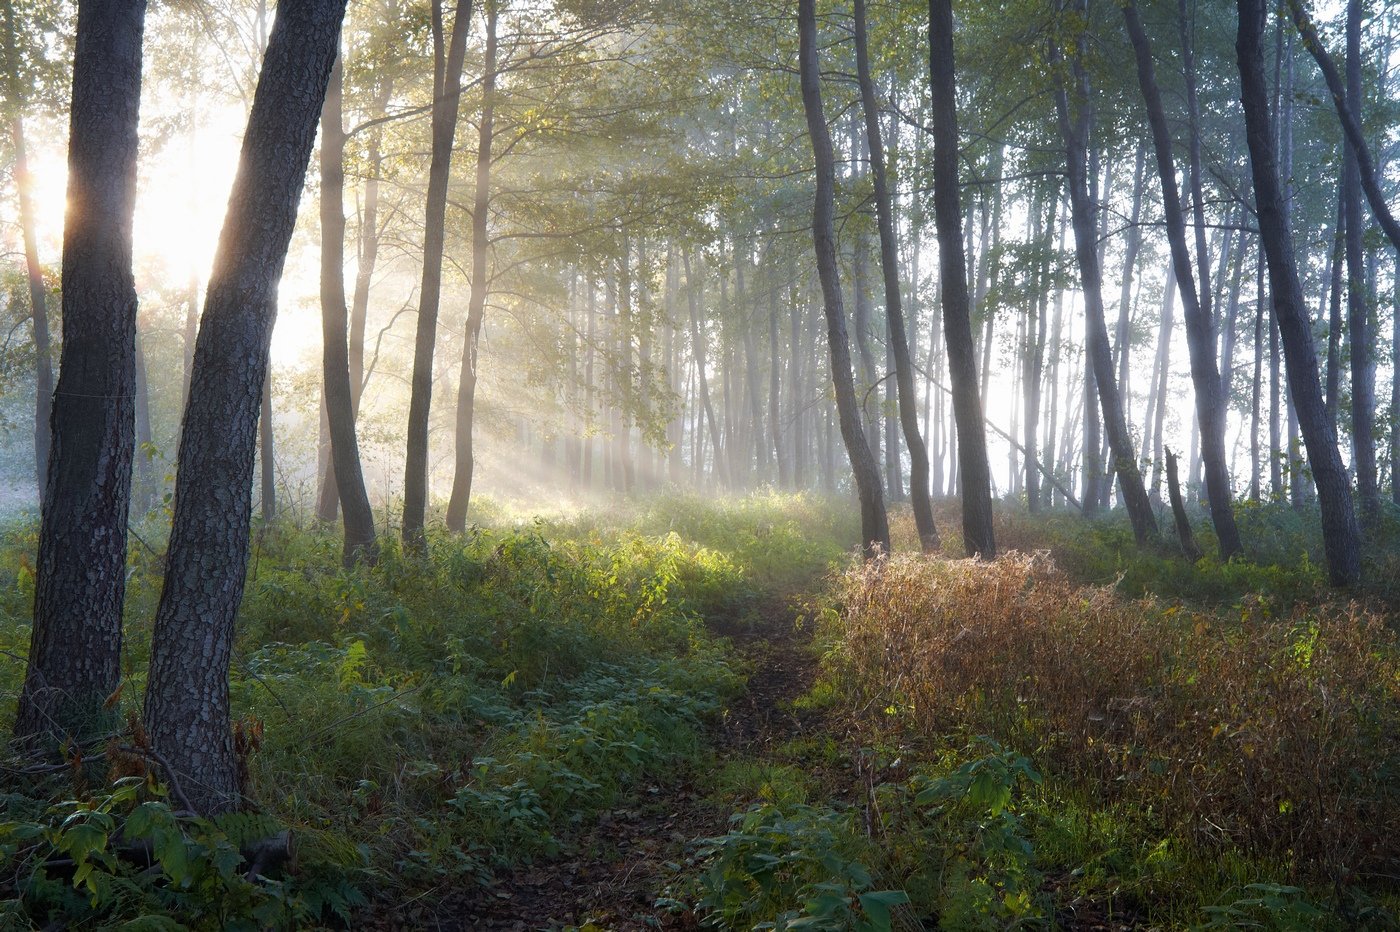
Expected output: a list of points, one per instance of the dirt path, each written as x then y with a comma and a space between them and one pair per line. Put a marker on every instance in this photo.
613, 876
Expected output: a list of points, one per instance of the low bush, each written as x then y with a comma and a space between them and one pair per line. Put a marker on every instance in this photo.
1278, 734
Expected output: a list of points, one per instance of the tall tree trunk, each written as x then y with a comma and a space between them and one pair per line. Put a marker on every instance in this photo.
144, 490
75, 644
368, 252
1363, 373
699, 343
447, 89
799, 415
187, 692
1334, 317
974, 470
267, 453
775, 430
338, 388
1256, 477
894, 307
480, 286
1196, 308
875, 529
1033, 372
1340, 531
1096, 333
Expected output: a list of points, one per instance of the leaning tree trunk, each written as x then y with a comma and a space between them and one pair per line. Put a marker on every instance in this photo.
187, 694
75, 645
1341, 534
875, 527
1350, 117
476, 302
348, 477
894, 307
1200, 333
1096, 333
447, 89
975, 473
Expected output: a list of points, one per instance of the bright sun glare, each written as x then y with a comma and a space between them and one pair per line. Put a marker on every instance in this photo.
183, 194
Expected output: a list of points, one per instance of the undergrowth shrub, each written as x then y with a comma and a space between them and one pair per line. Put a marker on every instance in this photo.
1276, 733
442, 719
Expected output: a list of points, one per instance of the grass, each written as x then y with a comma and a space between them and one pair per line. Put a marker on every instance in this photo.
1091, 733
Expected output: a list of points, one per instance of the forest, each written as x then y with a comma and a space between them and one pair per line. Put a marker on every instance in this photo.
633, 465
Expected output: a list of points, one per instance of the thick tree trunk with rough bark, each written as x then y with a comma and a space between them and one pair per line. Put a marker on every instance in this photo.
339, 394
187, 695
1200, 334
75, 646
1096, 334
894, 306
465, 466
875, 528
974, 470
448, 56
1340, 532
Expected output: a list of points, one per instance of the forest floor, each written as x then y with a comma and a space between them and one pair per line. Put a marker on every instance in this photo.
707, 712
618, 875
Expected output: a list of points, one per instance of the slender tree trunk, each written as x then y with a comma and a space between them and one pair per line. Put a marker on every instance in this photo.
894, 308
1334, 318
1096, 333
875, 529
775, 431
699, 341
1341, 533
1183, 523
480, 286
1395, 399
75, 644
346, 475
1196, 307
1363, 374
144, 490
1256, 472
795, 393
447, 87
1350, 117
975, 473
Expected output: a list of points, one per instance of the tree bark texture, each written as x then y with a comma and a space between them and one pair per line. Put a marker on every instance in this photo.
75, 646
974, 470
187, 695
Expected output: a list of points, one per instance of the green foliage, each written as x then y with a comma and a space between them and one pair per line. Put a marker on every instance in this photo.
793, 867
987, 874
126, 855
526, 678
